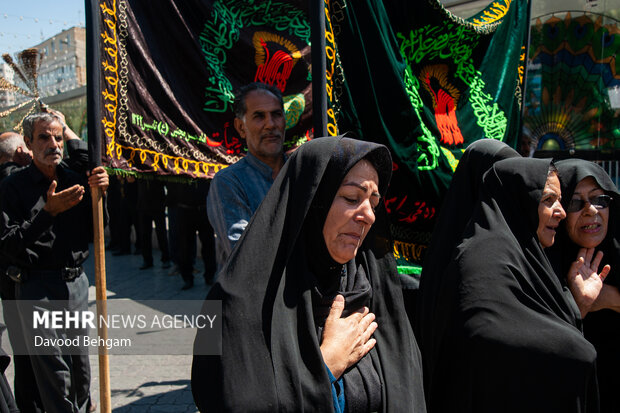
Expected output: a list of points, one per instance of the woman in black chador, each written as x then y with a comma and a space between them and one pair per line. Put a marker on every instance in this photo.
592, 205
511, 341
456, 211
313, 315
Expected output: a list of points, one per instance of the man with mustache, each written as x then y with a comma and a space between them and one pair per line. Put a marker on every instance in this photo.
14, 156
238, 190
45, 228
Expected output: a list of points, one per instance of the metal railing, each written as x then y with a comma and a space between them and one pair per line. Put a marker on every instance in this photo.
609, 160
612, 167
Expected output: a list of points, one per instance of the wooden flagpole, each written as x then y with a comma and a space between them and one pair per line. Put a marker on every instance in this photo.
93, 67
105, 395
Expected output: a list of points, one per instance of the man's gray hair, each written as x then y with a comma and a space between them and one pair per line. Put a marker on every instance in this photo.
9, 142
31, 120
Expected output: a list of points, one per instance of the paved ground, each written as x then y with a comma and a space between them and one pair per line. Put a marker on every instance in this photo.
144, 383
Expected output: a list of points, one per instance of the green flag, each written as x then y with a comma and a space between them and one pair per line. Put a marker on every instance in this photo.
426, 83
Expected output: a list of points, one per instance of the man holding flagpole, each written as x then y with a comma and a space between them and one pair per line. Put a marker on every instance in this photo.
45, 228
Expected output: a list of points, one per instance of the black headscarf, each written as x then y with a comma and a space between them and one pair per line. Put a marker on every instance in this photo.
272, 285
456, 212
601, 328
511, 343
564, 251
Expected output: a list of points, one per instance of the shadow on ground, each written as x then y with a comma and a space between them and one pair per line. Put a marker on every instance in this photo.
148, 401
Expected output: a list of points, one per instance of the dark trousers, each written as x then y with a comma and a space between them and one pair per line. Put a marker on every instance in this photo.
128, 218
147, 220
7, 402
63, 380
27, 395
173, 236
189, 221
114, 205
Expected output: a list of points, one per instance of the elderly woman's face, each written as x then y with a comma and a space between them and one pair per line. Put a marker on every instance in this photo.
587, 227
550, 211
352, 212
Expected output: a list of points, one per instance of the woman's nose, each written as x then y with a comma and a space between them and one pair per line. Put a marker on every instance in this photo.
560, 211
366, 213
590, 209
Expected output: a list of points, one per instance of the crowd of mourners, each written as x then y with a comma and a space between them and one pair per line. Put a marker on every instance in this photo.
174, 211
517, 308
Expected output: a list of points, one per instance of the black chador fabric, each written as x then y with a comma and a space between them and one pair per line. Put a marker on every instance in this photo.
276, 290
564, 251
456, 211
601, 328
511, 343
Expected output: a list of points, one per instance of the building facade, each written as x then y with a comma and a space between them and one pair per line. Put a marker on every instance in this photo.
63, 65
7, 98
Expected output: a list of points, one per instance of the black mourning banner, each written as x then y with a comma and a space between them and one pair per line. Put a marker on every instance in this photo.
168, 71
409, 75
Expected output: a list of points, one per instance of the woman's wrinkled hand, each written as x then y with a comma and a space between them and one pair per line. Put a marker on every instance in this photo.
584, 281
346, 340
609, 298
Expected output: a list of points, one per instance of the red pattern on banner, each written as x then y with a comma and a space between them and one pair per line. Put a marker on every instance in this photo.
444, 103
406, 213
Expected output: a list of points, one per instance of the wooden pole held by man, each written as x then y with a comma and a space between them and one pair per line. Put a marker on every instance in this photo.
102, 309
93, 63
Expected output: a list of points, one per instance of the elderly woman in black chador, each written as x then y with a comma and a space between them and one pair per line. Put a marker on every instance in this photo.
463, 192
511, 342
591, 201
313, 316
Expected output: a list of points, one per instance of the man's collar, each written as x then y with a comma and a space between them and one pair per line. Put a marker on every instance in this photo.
262, 167
38, 176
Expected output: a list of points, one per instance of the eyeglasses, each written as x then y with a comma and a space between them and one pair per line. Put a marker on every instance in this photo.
598, 202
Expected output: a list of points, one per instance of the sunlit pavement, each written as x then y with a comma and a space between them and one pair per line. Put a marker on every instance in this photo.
143, 383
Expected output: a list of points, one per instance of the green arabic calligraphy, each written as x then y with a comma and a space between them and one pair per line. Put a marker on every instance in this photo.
222, 31
436, 42
427, 144
454, 43
163, 129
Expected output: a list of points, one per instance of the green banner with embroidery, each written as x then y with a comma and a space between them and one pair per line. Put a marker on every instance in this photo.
426, 83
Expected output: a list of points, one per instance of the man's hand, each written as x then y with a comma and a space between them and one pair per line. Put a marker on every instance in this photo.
98, 177
583, 279
56, 113
67, 133
58, 202
346, 340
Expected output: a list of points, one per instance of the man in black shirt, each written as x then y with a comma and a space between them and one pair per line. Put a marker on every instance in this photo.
45, 228
15, 156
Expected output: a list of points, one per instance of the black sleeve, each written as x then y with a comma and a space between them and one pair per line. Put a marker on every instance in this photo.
8, 168
21, 228
77, 150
